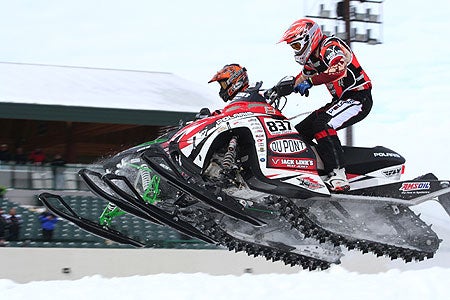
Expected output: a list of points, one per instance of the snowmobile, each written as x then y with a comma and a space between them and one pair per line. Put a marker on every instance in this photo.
244, 179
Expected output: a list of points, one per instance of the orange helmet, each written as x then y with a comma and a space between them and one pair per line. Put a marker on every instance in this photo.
303, 36
232, 79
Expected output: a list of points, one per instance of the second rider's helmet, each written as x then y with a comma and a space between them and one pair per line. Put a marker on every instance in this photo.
232, 79
303, 36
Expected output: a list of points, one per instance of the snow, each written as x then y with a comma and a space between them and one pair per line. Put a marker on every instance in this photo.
335, 284
95, 87
410, 78
358, 277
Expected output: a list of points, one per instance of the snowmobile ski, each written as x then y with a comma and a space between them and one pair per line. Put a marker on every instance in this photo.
134, 199
86, 224
88, 175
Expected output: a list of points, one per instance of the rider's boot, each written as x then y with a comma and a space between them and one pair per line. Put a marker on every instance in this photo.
336, 181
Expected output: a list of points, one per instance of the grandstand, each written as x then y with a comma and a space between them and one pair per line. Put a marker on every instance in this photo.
86, 114
67, 235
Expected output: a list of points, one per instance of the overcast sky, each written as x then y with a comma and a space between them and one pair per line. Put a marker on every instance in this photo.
193, 39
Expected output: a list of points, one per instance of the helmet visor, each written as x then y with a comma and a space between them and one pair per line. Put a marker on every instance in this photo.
223, 84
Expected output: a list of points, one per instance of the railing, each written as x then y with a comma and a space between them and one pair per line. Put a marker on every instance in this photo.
42, 176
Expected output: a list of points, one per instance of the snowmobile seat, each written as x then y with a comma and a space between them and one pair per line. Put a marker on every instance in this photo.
360, 160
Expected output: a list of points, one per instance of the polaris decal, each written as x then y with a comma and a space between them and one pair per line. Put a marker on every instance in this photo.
238, 115
414, 186
340, 106
287, 146
384, 154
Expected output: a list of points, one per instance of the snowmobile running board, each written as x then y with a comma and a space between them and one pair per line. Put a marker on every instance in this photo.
219, 201
442, 196
86, 224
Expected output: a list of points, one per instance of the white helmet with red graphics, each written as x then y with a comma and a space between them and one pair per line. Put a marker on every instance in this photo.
303, 36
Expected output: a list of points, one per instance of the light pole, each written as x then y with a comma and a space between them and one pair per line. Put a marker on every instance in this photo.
351, 12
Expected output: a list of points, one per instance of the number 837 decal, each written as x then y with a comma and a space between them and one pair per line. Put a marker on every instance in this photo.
278, 126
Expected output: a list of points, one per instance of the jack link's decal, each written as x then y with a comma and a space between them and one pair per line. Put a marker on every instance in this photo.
292, 163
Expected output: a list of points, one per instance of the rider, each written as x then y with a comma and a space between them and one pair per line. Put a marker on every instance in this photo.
329, 61
234, 85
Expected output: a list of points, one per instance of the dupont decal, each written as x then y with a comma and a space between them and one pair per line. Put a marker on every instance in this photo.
287, 146
291, 163
414, 186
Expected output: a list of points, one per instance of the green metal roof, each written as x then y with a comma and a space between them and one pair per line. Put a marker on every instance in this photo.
91, 114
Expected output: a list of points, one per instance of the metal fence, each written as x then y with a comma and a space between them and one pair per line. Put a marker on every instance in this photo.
42, 177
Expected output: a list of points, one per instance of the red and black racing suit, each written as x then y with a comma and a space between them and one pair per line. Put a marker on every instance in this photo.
334, 64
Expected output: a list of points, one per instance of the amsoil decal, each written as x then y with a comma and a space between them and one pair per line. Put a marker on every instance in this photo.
291, 163
287, 146
414, 186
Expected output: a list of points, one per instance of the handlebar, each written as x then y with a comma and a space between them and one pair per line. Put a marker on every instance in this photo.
282, 89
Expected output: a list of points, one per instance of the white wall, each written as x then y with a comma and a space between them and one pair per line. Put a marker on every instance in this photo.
35, 264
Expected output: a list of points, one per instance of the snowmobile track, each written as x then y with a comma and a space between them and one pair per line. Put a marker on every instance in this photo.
301, 220
206, 224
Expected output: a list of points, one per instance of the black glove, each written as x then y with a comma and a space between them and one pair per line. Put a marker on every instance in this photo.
283, 88
204, 113
271, 94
